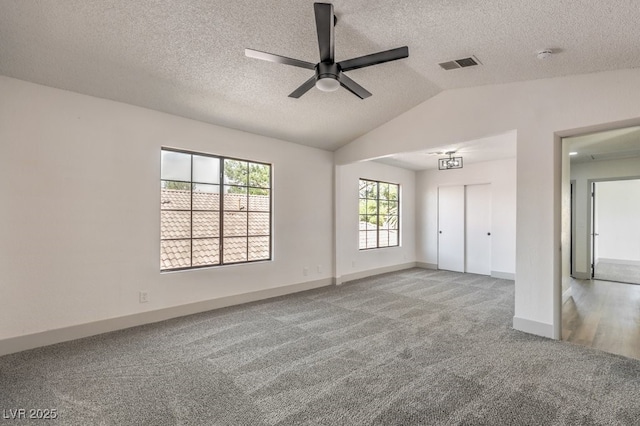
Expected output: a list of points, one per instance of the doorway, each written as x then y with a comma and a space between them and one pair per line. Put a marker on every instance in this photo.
615, 230
599, 309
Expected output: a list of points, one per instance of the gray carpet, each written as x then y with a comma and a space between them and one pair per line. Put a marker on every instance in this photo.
616, 271
416, 347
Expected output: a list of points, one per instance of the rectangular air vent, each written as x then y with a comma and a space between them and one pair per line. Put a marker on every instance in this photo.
451, 65
459, 63
466, 62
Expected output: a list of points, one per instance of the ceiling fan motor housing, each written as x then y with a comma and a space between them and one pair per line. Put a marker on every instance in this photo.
327, 76
324, 70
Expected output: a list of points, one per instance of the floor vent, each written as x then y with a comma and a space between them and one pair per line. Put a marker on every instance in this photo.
459, 63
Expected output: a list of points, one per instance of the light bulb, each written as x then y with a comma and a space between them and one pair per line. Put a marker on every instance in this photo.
327, 84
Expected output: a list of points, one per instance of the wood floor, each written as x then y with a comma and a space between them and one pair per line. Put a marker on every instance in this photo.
604, 315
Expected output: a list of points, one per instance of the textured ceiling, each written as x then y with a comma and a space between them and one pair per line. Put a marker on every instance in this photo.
187, 57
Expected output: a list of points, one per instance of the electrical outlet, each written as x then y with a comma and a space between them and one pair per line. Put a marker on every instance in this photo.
353, 263
319, 269
305, 271
144, 296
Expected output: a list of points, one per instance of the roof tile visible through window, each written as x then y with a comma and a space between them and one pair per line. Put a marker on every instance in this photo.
175, 199
206, 224
177, 224
175, 254
206, 252
258, 248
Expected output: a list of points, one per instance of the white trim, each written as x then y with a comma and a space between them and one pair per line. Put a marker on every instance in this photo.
424, 265
533, 327
50, 337
582, 275
566, 295
376, 271
503, 275
620, 261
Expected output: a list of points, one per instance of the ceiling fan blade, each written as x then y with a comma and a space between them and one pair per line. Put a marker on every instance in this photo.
325, 28
374, 59
279, 59
353, 87
304, 88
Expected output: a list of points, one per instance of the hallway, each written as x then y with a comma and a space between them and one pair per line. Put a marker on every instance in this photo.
604, 315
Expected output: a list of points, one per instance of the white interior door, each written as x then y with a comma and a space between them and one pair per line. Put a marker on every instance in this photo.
478, 229
451, 228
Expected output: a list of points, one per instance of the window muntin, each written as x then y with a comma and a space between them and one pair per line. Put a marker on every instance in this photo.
214, 210
379, 214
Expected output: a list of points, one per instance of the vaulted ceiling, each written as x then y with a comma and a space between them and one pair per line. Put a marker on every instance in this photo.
187, 57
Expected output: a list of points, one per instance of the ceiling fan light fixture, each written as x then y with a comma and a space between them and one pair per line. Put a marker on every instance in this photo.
328, 84
329, 74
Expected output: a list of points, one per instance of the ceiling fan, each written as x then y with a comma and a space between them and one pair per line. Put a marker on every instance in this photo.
329, 75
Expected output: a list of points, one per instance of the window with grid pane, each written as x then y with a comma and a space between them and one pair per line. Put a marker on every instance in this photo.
379, 207
214, 210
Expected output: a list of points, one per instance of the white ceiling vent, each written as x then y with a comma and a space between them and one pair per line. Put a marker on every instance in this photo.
471, 61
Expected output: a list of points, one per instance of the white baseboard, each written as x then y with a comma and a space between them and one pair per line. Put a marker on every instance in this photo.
620, 261
503, 275
533, 327
50, 337
581, 275
424, 265
376, 271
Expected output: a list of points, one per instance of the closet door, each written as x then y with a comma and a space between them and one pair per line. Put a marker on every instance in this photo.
451, 228
478, 229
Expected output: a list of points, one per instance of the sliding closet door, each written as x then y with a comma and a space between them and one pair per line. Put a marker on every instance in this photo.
478, 229
451, 228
